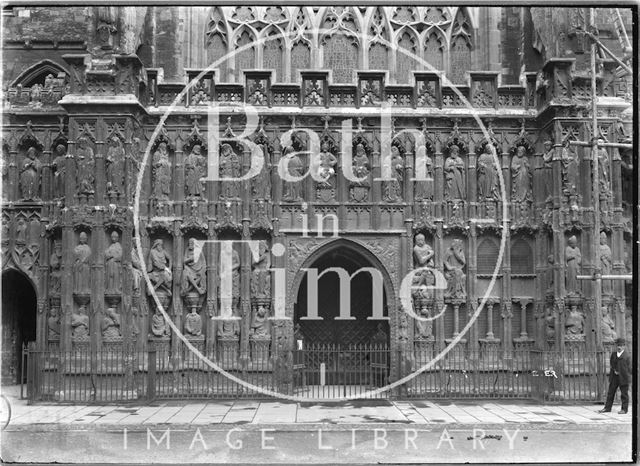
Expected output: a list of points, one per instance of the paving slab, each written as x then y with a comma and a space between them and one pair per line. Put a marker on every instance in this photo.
276, 413
433, 413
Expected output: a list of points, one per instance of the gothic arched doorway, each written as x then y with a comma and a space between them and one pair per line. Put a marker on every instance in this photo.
19, 311
364, 325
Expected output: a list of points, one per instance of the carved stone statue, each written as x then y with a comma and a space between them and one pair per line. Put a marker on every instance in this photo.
326, 170
393, 189
86, 167
487, 175
295, 169
82, 266
80, 324
454, 263
603, 169
55, 276
261, 189
454, 175
424, 189
115, 166
159, 268
195, 170
113, 265
260, 323
261, 275
570, 171
110, 325
193, 323
574, 325
136, 272
229, 168
607, 326
422, 253
235, 280
520, 176
424, 329
605, 263
59, 169
30, 175
573, 260
550, 324
159, 326
53, 324
194, 274
547, 160
161, 172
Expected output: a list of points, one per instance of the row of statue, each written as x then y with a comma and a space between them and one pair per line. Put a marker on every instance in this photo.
575, 322
454, 263
195, 166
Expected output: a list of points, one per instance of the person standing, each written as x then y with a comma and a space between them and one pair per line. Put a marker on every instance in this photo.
619, 376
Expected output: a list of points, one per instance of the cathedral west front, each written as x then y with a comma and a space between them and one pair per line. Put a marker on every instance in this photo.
439, 147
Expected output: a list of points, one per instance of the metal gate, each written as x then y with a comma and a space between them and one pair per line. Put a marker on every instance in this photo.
336, 371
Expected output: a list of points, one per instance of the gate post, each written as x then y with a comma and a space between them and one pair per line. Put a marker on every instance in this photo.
151, 374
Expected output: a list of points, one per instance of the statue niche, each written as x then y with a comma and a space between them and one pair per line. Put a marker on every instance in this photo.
55, 274
454, 187
359, 190
605, 264
82, 266
161, 172
392, 190
487, 172
195, 166
520, 176
230, 329
454, 263
607, 326
573, 261
53, 324
85, 167
59, 169
159, 268
424, 188
295, 170
110, 326
113, 265
115, 167
80, 324
326, 189
30, 176
229, 168
193, 285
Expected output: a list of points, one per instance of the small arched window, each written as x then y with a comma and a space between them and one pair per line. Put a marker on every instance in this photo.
521, 258
487, 256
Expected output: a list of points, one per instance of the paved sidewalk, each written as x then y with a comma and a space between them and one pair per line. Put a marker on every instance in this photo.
246, 412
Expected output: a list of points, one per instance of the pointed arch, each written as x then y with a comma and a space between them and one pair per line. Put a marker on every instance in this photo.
378, 31
341, 42
217, 40
244, 37
273, 49
37, 73
522, 257
461, 46
434, 48
301, 38
405, 63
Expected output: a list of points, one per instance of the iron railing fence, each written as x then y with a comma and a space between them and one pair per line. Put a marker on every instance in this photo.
315, 372
336, 371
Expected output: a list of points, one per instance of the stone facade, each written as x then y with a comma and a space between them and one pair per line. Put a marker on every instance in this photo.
100, 129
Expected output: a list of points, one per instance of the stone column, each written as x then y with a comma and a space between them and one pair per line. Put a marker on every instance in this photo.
376, 186
100, 175
176, 299
12, 192
472, 200
211, 309
617, 241
245, 292
96, 306
472, 298
507, 314
438, 242
66, 278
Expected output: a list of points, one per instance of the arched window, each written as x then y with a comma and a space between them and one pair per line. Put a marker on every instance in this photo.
378, 51
340, 52
38, 73
521, 258
216, 41
272, 54
405, 62
487, 256
434, 50
301, 48
460, 48
245, 59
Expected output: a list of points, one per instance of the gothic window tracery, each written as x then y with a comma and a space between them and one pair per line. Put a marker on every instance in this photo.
487, 256
461, 45
521, 258
301, 44
340, 43
405, 61
246, 58
378, 35
216, 40
272, 54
